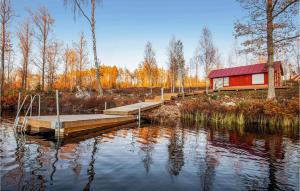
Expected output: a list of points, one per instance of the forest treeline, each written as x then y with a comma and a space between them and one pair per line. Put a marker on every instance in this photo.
46, 63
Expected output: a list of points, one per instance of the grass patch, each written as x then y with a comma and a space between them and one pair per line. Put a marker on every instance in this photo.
227, 110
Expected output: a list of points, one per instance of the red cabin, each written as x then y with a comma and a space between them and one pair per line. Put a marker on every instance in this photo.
244, 76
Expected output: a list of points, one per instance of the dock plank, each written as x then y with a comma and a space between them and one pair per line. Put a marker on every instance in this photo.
75, 123
132, 109
71, 124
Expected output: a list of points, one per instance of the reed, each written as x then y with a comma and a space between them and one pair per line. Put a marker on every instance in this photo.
239, 120
264, 113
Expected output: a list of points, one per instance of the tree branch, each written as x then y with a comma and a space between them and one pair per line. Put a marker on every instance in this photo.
83, 13
284, 8
274, 5
284, 39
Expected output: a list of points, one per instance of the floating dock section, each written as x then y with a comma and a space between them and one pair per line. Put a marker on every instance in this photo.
67, 125
70, 124
132, 109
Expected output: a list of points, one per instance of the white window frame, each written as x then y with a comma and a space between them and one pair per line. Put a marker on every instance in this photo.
258, 79
220, 80
226, 81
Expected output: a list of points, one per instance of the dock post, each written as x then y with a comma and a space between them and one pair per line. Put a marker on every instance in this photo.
31, 105
105, 105
162, 94
57, 114
139, 116
19, 101
39, 114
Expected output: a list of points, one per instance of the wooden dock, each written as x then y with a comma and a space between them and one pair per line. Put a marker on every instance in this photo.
73, 124
132, 109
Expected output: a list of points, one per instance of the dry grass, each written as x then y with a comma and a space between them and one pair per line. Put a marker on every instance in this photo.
244, 111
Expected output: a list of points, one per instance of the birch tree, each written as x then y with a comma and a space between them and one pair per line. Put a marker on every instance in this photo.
207, 54
78, 6
150, 63
270, 26
196, 63
9, 65
181, 65
173, 65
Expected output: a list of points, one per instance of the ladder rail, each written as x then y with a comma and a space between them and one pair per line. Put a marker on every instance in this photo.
25, 117
18, 112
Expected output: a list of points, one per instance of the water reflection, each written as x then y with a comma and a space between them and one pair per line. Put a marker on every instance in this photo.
152, 157
175, 149
90, 170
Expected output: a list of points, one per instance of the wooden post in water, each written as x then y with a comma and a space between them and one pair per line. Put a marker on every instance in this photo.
105, 105
31, 105
19, 101
57, 131
39, 114
139, 117
162, 94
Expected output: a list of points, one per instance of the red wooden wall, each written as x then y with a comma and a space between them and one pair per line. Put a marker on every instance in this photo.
246, 80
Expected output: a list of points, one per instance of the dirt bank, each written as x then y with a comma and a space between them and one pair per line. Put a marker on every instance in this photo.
164, 114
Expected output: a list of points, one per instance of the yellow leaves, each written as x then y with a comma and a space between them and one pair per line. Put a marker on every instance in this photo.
111, 77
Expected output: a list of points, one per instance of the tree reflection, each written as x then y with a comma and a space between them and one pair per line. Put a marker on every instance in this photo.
175, 149
54, 162
20, 152
274, 147
148, 139
91, 170
211, 162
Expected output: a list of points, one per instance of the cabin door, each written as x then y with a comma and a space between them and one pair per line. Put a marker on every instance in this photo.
218, 83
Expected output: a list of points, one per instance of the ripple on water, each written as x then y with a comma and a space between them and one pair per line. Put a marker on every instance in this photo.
153, 157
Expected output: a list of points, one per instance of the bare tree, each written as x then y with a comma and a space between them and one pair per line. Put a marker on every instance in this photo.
66, 58
78, 6
150, 63
80, 48
217, 60
196, 62
270, 27
296, 53
6, 14
53, 58
70, 60
191, 65
24, 35
207, 54
234, 54
181, 65
176, 64
43, 22
173, 65
9, 66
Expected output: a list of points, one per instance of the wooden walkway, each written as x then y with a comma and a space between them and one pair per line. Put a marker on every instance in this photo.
172, 96
132, 109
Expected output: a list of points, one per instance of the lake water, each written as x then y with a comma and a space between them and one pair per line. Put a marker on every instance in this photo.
175, 157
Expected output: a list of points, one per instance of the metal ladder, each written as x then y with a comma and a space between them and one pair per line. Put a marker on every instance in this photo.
29, 110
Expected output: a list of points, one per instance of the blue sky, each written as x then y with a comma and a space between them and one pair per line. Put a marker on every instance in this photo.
124, 26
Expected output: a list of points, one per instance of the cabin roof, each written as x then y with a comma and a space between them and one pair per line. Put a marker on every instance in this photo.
243, 70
